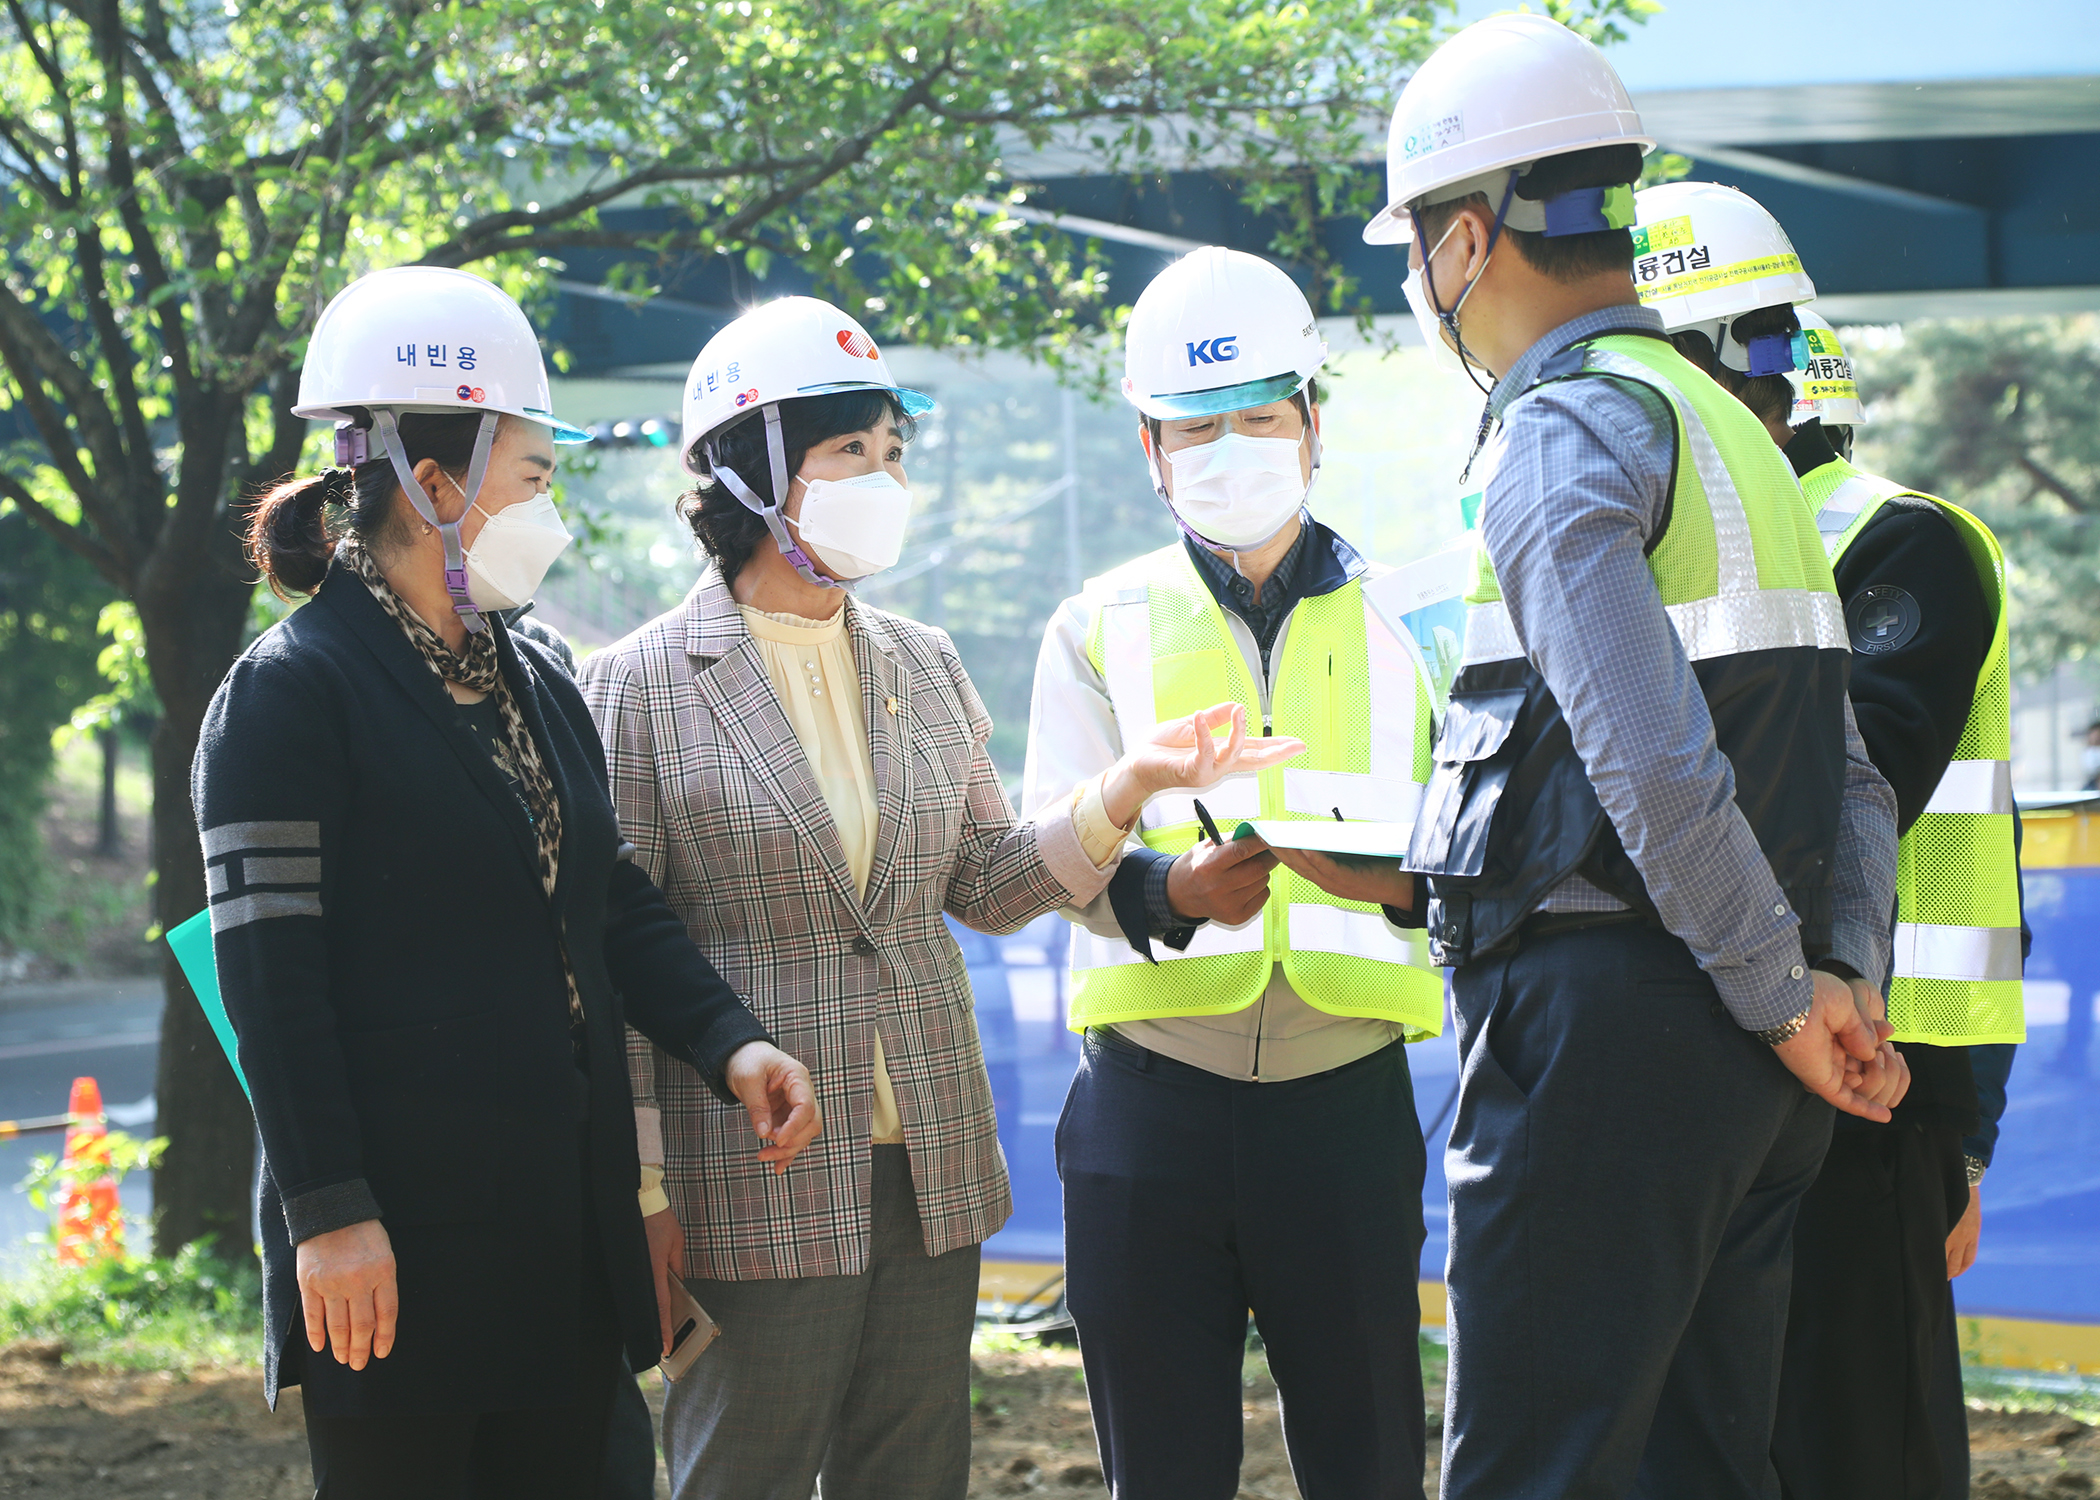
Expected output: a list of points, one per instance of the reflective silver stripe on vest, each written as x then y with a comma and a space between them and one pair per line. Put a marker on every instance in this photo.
1769, 620
1974, 786
1352, 934
1369, 799
1842, 508
1489, 635
1724, 625
1230, 800
1980, 954
1212, 940
1126, 657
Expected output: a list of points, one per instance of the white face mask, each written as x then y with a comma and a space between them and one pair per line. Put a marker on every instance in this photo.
855, 526
1238, 491
511, 555
1441, 354
2090, 758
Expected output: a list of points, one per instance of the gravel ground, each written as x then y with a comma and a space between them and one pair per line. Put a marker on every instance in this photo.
77, 1432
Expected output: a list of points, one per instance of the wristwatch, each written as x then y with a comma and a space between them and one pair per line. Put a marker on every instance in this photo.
1786, 1030
1976, 1169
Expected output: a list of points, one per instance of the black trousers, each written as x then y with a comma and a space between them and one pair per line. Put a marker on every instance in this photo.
1624, 1168
1190, 1198
1872, 1313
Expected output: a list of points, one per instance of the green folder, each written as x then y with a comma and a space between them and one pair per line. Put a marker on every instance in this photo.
191, 941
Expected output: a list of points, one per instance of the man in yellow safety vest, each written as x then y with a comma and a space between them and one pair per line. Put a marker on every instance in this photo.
1242, 1129
1894, 1213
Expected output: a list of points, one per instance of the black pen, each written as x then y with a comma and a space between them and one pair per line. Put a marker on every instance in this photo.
1338, 816
1210, 829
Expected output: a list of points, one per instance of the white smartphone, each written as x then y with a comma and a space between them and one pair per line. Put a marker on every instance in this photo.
692, 1330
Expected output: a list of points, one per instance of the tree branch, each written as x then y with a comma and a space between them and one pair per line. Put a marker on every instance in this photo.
153, 272
72, 537
2055, 486
33, 352
492, 229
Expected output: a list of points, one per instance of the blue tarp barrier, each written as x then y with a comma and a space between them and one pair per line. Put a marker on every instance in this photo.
2040, 1255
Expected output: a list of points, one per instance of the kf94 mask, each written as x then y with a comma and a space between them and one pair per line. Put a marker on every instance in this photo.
1238, 491
855, 526
511, 555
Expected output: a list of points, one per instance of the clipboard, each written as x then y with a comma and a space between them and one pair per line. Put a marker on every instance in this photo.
191, 944
1359, 840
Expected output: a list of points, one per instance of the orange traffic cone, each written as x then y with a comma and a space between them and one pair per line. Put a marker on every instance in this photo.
90, 1217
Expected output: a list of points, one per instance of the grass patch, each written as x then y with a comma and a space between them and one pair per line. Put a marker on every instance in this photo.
141, 1313
2010, 1390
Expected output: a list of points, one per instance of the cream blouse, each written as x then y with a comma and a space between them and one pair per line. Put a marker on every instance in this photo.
814, 675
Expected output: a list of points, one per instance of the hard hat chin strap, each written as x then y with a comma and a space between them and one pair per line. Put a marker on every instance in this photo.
455, 554
776, 455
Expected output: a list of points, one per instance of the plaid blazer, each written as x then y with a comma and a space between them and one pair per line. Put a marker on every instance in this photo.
712, 787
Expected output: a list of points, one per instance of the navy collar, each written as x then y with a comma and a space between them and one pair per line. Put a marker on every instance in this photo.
1319, 562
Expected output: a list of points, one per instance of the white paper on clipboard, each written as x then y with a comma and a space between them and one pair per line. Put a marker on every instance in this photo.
1425, 600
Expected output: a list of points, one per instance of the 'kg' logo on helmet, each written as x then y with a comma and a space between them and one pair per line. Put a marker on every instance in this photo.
859, 345
745, 398
470, 393
1214, 351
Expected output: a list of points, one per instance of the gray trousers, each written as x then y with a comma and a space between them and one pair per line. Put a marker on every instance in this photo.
855, 1386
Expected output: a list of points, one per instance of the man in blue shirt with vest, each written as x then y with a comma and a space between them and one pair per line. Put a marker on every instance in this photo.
1657, 855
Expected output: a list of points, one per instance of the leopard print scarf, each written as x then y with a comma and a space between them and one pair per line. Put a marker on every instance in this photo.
480, 670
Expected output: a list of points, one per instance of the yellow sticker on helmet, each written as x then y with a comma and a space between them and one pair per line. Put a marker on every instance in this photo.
1679, 273
1663, 234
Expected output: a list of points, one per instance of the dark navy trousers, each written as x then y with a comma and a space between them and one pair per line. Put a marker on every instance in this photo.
1191, 1199
1625, 1167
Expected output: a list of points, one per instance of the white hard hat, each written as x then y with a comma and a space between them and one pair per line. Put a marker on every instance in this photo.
794, 346
1505, 92
1219, 330
1824, 387
426, 339
1704, 254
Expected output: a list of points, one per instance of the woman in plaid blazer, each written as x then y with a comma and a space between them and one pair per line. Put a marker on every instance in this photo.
846, 1291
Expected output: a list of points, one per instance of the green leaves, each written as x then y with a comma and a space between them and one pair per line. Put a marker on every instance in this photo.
1997, 417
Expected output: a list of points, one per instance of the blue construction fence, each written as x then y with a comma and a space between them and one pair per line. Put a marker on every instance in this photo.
2040, 1255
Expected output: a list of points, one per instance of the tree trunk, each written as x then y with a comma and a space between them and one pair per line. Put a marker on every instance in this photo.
108, 843
193, 617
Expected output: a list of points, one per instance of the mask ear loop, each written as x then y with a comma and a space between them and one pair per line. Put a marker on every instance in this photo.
776, 455
1159, 488
1449, 320
455, 555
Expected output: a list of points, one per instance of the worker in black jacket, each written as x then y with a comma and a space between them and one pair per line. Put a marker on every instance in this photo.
1890, 1218
430, 941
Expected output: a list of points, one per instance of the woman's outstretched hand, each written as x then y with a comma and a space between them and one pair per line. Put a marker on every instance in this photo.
1186, 754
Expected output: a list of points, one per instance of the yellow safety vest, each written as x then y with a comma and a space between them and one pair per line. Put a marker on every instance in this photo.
1957, 960
1360, 698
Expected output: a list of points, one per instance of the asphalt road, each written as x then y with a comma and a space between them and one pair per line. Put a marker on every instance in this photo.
51, 1034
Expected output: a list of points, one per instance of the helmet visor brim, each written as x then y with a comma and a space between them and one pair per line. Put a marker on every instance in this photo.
564, 432
1223, 398
915, 403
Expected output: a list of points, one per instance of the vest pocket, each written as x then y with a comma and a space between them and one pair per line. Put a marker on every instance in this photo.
1458, 804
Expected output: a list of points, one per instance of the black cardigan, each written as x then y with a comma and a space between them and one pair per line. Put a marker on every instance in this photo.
390, 964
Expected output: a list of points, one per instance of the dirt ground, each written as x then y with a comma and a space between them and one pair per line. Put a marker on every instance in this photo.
71, 1432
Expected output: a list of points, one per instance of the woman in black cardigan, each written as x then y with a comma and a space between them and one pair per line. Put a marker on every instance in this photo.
430, 941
